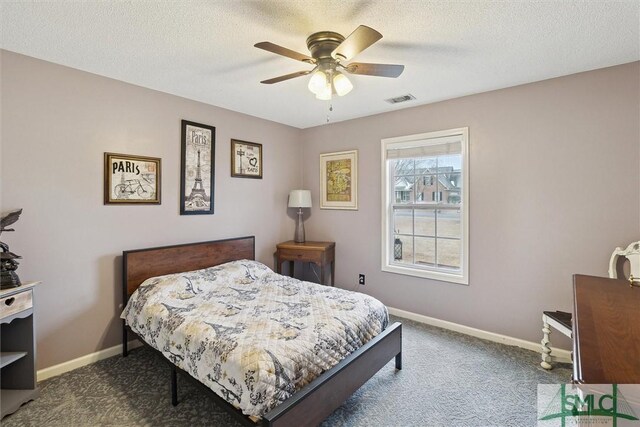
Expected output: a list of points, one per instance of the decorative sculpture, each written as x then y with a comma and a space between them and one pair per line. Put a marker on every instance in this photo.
632, 253
8, 276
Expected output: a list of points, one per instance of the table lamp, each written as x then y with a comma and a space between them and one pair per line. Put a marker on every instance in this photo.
299, 199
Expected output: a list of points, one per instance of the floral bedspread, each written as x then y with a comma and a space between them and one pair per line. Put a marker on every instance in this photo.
253, 336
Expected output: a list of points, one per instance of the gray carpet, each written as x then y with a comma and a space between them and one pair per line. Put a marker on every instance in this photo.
448, 379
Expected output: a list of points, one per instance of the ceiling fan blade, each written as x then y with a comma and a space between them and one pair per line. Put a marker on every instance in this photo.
380, 70
286, 77
274, 48
359, 40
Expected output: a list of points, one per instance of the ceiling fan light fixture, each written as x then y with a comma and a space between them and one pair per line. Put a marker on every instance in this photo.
325, 93
328, 49
342, 84
318, 82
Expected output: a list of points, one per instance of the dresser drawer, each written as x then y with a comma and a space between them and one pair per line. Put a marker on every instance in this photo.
15, 303
298, 255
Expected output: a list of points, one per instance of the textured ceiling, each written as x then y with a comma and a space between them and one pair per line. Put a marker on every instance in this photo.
203, 50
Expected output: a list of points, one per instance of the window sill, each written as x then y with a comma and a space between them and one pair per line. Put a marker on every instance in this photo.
427, 274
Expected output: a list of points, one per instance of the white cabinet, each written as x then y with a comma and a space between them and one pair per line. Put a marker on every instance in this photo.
17, 348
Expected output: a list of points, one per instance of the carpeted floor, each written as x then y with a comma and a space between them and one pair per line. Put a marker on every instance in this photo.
448, 379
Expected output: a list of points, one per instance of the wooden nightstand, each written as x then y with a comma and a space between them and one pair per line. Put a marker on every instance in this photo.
318, 253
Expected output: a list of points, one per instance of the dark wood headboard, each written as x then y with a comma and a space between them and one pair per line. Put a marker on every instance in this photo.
141, 264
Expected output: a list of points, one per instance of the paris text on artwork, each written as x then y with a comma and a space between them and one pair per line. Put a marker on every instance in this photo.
131, 179
246, 159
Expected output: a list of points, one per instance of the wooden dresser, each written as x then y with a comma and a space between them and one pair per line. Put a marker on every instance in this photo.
17, 348
606, 331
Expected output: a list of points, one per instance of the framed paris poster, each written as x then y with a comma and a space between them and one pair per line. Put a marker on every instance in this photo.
197, 169
131, 179
246, 159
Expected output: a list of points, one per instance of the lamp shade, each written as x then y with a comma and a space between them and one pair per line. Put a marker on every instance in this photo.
317, 82
342, 84
300, 199
325, 93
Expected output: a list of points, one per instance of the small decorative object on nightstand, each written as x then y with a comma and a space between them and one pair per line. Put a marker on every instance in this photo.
299, 199
17, 348
318, 253
9, 265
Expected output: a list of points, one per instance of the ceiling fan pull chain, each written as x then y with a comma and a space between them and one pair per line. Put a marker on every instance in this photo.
330, 110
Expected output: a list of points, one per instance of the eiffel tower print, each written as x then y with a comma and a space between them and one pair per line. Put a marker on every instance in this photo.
198, 195
197, 169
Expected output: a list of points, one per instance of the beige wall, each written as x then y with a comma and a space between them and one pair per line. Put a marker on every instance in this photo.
539, 154
578, 135
56, 124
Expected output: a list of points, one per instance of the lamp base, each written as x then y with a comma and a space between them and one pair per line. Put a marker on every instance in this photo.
298, 237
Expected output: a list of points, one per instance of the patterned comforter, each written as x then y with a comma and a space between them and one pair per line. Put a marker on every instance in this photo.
253, 336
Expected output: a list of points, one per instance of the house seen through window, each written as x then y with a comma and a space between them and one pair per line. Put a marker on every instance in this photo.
425, 208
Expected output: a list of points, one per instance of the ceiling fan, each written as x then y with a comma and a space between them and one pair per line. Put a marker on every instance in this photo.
328, 50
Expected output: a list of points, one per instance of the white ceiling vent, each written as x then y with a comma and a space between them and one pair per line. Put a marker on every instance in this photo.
398, 99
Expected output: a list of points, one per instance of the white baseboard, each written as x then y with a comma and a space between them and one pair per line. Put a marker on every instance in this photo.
557, 354
85, 360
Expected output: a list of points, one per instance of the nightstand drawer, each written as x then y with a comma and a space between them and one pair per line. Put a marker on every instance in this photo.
298, 255
15, 303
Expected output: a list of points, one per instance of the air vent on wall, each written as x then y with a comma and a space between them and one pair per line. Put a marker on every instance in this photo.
398, 99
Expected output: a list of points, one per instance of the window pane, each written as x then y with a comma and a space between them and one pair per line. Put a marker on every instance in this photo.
450, 184
403, 189
452, 162
449, 253
454, 180
425, 165
403, 221
449, 223
403, 245
425, 222
425, 251
403, 167
424, 186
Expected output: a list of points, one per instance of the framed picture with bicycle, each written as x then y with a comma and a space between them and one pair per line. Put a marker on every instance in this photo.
131, 179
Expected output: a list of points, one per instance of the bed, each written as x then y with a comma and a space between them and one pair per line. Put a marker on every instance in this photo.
222, 277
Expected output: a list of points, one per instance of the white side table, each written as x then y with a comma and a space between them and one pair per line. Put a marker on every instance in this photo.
17, 348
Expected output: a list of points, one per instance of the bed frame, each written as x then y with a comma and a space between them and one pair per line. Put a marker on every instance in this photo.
308, 406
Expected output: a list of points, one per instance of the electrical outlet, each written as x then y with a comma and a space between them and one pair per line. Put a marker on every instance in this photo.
361, 279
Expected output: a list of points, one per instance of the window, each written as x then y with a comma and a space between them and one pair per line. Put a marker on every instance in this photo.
426, 236
402, 196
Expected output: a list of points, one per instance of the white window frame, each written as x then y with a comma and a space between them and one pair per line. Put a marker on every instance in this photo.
387, 211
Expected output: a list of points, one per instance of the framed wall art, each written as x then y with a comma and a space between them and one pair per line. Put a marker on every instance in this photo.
339, 180
130, 179
246, 159
197, 169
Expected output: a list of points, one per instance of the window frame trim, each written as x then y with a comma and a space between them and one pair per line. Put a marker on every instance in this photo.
387, 206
